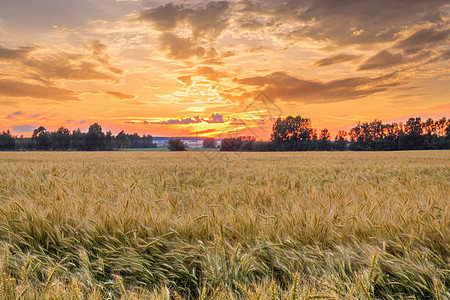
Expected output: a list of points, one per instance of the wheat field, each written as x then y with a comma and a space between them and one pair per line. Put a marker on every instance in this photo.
200, 225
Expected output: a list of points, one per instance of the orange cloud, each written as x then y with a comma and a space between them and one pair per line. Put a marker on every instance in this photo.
120, 96
18, 89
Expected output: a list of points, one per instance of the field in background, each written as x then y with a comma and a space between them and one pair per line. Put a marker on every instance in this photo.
165, 225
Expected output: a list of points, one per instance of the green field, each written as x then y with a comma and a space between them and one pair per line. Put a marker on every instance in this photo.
215, 225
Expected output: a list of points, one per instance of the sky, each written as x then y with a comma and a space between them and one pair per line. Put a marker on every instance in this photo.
220, 68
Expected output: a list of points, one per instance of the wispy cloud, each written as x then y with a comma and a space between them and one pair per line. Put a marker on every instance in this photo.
120, 96
194, 120
15, 54
14, 114
215, 118
19, 89
206, 21
23, 128
286, 87
423, 38
336, 59
382, 60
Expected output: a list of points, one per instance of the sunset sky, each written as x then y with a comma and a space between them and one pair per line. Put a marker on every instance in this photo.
177, 68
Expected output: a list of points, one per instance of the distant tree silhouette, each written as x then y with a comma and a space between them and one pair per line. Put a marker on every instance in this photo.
413, 138
137, 141
60, 139
77, 140
293, 134
209, 143
147, 141
324, 142
340, 141
231, 144
95, 138
6, 141
123, 140
242, 143
109, 141
176, 145
288, 134
41, 139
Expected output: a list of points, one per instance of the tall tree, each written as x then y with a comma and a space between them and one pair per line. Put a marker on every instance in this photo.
147, 141
6, 141
324, 143
109, 141
340, 141
60, 139
176, 145
293, 133
41, 139
123, 140
413, 138
95, 138
77, 140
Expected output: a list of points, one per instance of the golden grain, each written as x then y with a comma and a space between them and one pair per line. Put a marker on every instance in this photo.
250, 225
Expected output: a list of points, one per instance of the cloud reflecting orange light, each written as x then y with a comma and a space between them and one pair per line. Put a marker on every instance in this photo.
167, 68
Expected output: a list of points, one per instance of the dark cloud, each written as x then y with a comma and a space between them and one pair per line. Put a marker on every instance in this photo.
184, 48
66, 66
285, 87
75, 122
120, 96
215, 118
423, 38
134, 123
98, 50
381, 60
163, 17
47, 13
17, 113
209, 21
18, 89
72, 66
206, 21
15, 54
45, 66
445, 55
194, 120
212, 56
179, 47
336, 59
209, 73
23, 128
337, 23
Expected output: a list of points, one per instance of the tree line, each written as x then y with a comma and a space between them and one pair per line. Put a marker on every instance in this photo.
297, 134
63, 140
288, 134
